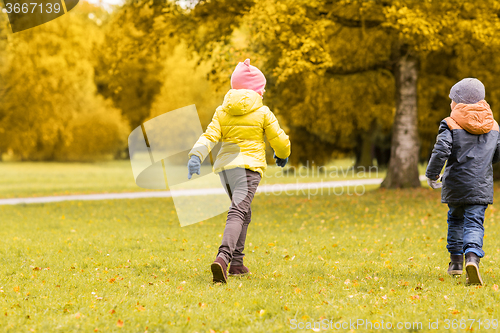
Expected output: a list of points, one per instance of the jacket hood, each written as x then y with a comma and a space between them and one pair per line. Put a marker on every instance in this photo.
474, 118
238, 102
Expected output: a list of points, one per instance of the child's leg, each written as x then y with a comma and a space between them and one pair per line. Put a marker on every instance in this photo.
474, 229
242, 187
240, 244
455, 229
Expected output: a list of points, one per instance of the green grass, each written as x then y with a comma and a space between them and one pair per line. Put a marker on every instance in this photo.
91, 266
28, 179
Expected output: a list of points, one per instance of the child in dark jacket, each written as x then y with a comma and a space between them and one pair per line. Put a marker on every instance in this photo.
468, 141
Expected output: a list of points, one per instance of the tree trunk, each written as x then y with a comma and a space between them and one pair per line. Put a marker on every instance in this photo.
403, 165
364, 149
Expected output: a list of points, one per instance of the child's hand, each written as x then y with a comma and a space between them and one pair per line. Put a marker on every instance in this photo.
280, 161
194, 165
434, 183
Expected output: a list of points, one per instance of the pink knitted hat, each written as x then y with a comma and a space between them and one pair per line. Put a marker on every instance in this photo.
246, 76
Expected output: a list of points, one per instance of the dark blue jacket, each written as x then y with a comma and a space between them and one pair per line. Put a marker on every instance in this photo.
469, 140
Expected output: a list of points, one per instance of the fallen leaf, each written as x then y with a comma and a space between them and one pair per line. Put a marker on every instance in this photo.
78, 315
16, 289
495, 287
141, 308
119, 323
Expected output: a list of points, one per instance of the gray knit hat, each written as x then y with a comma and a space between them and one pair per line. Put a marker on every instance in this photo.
467, 91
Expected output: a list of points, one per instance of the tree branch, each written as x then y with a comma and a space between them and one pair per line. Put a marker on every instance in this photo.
387, 65
352, 23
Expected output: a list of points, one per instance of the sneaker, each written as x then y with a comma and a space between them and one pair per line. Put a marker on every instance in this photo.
238, 270
472, 269
219, 270
456, 265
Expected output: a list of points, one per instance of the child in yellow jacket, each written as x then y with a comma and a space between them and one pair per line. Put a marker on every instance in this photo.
240, 123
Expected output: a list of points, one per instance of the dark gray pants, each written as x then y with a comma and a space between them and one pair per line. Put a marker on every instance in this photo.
241, 185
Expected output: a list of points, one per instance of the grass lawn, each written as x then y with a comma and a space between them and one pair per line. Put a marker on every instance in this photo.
31, 179
127, 266
28, 179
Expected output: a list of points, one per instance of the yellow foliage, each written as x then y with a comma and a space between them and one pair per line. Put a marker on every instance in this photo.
186, 83
50, 92
94, 135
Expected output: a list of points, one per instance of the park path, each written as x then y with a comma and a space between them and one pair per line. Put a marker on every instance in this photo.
292, 188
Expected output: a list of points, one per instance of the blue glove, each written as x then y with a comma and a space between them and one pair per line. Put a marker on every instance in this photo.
194, 165
280, 161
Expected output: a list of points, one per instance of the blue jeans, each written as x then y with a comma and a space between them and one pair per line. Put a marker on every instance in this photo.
465, 229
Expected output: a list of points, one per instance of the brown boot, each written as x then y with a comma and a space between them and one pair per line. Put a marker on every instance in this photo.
472, 269
238, 270
456, 264
219, 270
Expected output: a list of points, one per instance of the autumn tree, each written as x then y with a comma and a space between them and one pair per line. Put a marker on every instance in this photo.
299, 39
221, 30
129, 63
4, 26
185, 83
49, 108
331, 82
342, 73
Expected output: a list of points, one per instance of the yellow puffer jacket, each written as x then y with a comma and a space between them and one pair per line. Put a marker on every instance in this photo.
240, 123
